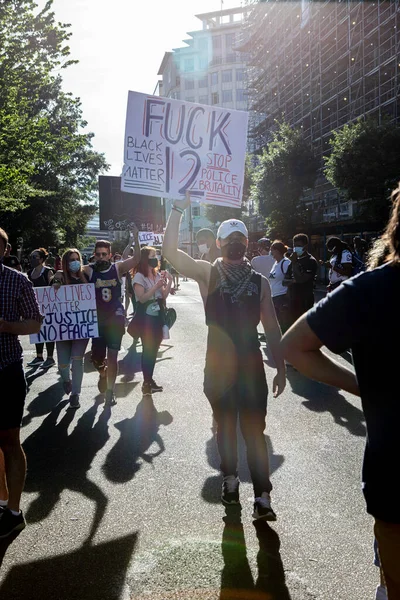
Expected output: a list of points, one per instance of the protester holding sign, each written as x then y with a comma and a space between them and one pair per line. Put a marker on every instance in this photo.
40, 275
235, 298
71, 352
151, 291
106, 277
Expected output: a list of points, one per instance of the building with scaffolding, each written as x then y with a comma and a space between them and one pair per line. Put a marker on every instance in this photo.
321, 65
207, 70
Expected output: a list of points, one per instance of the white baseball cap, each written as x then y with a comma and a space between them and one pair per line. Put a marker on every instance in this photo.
230, 226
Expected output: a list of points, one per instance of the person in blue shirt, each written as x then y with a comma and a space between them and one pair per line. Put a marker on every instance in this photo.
362, 314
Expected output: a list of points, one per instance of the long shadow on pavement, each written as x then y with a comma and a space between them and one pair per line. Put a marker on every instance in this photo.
211, 491
136, 436
324, 398
58, 461
88, 573
236, 578
44, 403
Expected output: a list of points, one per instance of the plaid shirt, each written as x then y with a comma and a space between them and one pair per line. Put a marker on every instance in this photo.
17, 302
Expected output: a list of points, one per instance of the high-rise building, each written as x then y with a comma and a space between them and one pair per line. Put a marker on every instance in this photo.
207, 70
321, 65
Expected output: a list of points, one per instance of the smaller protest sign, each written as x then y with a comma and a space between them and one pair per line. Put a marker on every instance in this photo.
69, 313
146, 238
158, 239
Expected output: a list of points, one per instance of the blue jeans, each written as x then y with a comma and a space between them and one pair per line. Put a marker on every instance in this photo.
71, 351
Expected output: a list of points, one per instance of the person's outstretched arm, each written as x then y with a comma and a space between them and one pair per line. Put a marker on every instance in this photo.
130, 263
182, 262
273, 335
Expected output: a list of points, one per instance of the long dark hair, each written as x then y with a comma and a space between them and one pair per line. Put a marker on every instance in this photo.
143, 266
339, 245
392, 232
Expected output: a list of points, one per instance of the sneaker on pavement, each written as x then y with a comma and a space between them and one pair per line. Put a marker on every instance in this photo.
35, 362
110, 398
146, 389
230, 490
49, 362
67, 385
155, 387
74, 401
263, 509
381, 593
102, 383
10, 523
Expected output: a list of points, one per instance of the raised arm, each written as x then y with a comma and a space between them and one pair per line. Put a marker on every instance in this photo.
130, 263
182, 262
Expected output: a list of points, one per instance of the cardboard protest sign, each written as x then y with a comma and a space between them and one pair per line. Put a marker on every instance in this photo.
173, 146
158, 239
69, 313
146, 237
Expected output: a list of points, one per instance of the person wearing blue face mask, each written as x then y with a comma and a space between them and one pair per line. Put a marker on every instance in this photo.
300, 277
70, 353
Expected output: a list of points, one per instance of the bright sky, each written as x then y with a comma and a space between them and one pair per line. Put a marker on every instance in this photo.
120, 45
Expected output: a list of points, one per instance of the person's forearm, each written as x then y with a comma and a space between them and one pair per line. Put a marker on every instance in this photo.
148, 295
317, 365
171, 236
27, 327
273, 337
166, 290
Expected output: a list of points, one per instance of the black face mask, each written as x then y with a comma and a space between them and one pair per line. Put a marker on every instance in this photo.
233, 250
153, 262
35, 262
101, 265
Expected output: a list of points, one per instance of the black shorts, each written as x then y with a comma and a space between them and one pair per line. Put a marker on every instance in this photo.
13, 394
111, 333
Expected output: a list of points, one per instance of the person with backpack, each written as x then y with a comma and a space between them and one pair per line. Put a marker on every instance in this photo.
340, 263
279, 292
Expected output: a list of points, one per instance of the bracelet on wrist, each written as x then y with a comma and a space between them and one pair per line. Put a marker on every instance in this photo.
177, 209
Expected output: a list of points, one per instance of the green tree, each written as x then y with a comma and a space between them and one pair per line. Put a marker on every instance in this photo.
48, 168
364, 163
287, 167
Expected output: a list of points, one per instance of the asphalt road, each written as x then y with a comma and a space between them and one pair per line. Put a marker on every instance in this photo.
126, 505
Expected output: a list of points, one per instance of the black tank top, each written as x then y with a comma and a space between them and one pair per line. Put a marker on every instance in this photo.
233, 350
42, 280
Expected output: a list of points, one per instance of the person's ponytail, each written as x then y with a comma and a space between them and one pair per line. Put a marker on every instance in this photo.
392, 232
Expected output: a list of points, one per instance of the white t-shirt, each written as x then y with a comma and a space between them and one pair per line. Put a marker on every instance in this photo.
263, 264
147, 283
347, 259
276, 277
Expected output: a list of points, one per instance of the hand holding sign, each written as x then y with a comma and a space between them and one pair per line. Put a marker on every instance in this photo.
183, 203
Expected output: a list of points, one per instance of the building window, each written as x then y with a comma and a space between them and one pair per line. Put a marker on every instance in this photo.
226, 95
203, 62
214, 98
217, 42
203, 44
203, 82
191, 99
227, 76
214, 78
178, 80
195, 211
188, 64
240, 97
239, 74
230, 39
231, 58
189, 84
203, 100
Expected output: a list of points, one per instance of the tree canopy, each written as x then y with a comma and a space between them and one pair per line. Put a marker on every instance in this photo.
48, 168
287, 167
364, 163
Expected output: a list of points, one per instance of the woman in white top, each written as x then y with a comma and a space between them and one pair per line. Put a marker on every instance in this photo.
278, 290
151, 291
340, 263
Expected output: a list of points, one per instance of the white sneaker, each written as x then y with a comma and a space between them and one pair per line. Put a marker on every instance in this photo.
381, 593
263, 509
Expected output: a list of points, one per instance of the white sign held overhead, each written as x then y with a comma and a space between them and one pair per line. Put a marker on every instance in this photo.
173, 146
69, 313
